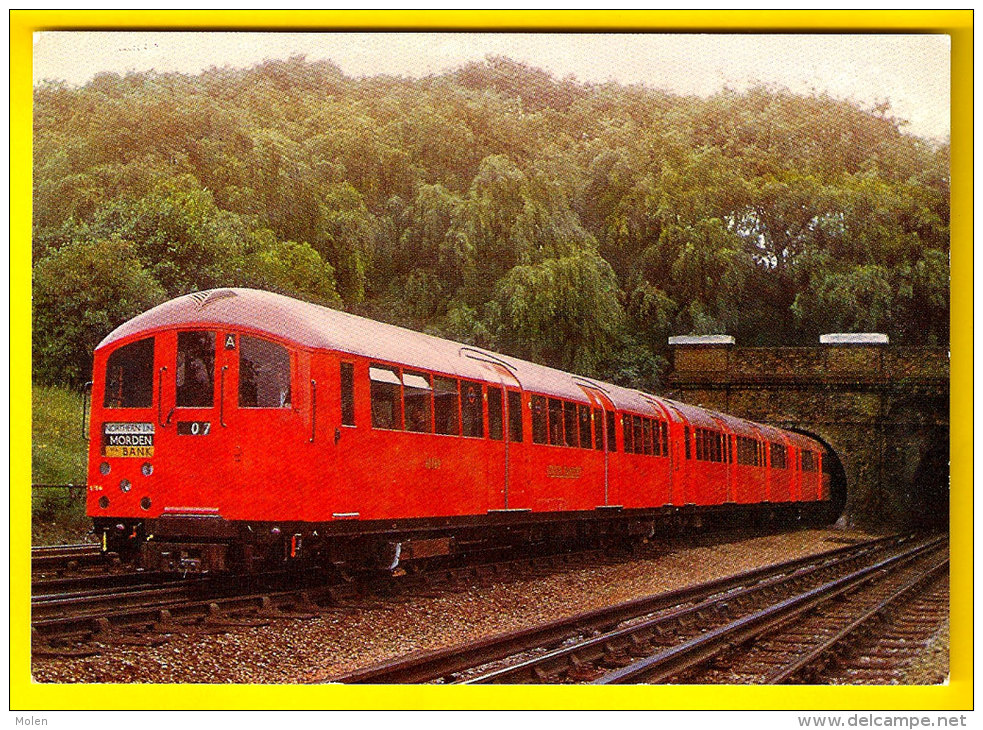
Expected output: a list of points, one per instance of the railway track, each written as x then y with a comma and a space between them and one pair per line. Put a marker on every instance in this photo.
66, 558
111, 600
65, 623
662, 637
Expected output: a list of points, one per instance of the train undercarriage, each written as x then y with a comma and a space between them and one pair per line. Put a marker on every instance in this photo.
196, 543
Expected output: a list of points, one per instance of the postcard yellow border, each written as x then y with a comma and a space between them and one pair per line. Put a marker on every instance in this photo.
26, 695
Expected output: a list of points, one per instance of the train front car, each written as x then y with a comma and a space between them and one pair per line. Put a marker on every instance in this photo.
195, 424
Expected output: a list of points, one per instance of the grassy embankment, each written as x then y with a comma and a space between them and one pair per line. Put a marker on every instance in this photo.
57, 457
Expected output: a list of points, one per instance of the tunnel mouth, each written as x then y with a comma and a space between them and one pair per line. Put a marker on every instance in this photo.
930, 500
833, 466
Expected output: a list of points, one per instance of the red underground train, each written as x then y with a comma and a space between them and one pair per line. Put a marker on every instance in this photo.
234, 427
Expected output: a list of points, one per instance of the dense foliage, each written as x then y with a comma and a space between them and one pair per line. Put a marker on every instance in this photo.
574, 224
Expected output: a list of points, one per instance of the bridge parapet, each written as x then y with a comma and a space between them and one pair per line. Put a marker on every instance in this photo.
864, 362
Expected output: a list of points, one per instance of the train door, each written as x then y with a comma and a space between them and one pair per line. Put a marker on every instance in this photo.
727, 459
504, 464
261, 413
601, 407
678, 454
335, 430
516, 497
190, 410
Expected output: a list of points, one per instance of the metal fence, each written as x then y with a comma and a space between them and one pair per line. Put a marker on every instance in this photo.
74, 490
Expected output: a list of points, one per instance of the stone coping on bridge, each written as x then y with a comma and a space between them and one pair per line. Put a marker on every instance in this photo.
854, 361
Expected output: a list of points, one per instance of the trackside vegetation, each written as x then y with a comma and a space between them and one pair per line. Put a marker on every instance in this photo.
58, 453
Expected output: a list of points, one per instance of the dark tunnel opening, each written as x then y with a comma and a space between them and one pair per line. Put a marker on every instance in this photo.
930, 487
837, 475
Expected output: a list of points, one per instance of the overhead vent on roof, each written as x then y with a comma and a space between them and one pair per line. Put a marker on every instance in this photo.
215, 295
204, 298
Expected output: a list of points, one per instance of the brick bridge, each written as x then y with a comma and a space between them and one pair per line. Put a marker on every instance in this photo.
883, 410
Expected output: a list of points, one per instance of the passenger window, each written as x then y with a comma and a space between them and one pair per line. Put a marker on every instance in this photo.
515, 416
612, 442
495, 413
130, 376
779, 457
539, 429
417, 405
808, 461
686, 441
471, 409
626, 433
583, 414
599, 429
445, 403
385, 395
556, 422
347, 394
264, 374
647, 425
637, 434
196, 369
570, 423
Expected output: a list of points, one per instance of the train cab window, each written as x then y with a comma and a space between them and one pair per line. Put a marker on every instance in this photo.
445, 404
626, 434
264, 374
387, 409
417, 405
539, 428
196, 369
347, 394
583, 416
495, 413
471, 409
515, 416
570, 423
130, 376
556, 422
808, 461
779, 456
598, 429
612, 443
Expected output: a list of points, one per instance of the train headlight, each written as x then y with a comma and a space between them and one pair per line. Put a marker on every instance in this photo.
124, 485
104, 502
104, 468
145, 503
147, 469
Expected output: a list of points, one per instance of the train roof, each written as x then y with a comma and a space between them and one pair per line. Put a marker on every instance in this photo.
316, 327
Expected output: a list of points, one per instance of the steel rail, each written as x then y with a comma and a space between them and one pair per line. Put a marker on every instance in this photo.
690, 653
787, 672
428, 666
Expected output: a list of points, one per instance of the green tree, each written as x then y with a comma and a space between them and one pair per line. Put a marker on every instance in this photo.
81, 293
564, 312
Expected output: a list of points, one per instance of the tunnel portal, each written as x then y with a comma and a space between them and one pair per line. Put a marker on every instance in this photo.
882, 410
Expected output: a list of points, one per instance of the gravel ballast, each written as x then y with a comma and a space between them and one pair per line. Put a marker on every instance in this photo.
315, 649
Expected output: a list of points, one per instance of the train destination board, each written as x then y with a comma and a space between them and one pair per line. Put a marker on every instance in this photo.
128, 439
